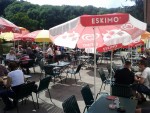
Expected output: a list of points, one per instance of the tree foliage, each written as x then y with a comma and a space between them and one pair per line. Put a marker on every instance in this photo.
35, 17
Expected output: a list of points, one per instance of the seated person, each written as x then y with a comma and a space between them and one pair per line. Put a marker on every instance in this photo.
3, 71
124, 75
30, 53
11, 55
14, 80
24, 62
143, 81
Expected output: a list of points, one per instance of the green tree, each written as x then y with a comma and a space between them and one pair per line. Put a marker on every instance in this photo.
23, 20
4, 4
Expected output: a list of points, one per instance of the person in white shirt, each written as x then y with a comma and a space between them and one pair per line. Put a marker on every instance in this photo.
50, 52
15, 79
143, 80
11, 55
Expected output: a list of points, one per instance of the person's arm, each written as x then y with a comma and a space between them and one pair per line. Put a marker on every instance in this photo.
8, 82
139, 79
136, 78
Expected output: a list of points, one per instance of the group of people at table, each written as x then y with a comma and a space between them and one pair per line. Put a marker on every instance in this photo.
12, 77
140, 82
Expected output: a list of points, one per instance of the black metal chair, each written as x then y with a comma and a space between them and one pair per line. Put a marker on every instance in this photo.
87, 96
103, 79
123, 60
114, 67
24, 91
26, 64
41, 64
70, 105
121, 90
111, 72
74, 72
43, 85
51, 71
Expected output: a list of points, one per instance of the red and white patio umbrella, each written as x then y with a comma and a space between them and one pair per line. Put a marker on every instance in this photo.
94, 31
7, 26
10, 36
109, 29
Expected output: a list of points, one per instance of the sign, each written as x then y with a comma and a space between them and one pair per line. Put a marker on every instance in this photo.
102, 20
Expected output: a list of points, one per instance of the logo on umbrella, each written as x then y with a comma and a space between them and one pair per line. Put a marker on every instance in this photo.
127, 26
116, 36
90, 37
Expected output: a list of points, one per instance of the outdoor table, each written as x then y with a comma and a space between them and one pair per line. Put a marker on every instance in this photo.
68, 52
27, 77
84, 58
60, 65
8, 61
102, 105
135, 59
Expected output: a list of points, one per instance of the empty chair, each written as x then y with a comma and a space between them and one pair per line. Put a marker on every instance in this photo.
121, 90
24, 91
114, 67
74, 72
49, 70
70, 105
103, 79
87, 96
111, 72
41, 64
43, 85
123, 60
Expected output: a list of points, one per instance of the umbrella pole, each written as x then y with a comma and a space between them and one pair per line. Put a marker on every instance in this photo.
111, 66
95, 66
131, 55
112, 81
111, 63
43, 46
